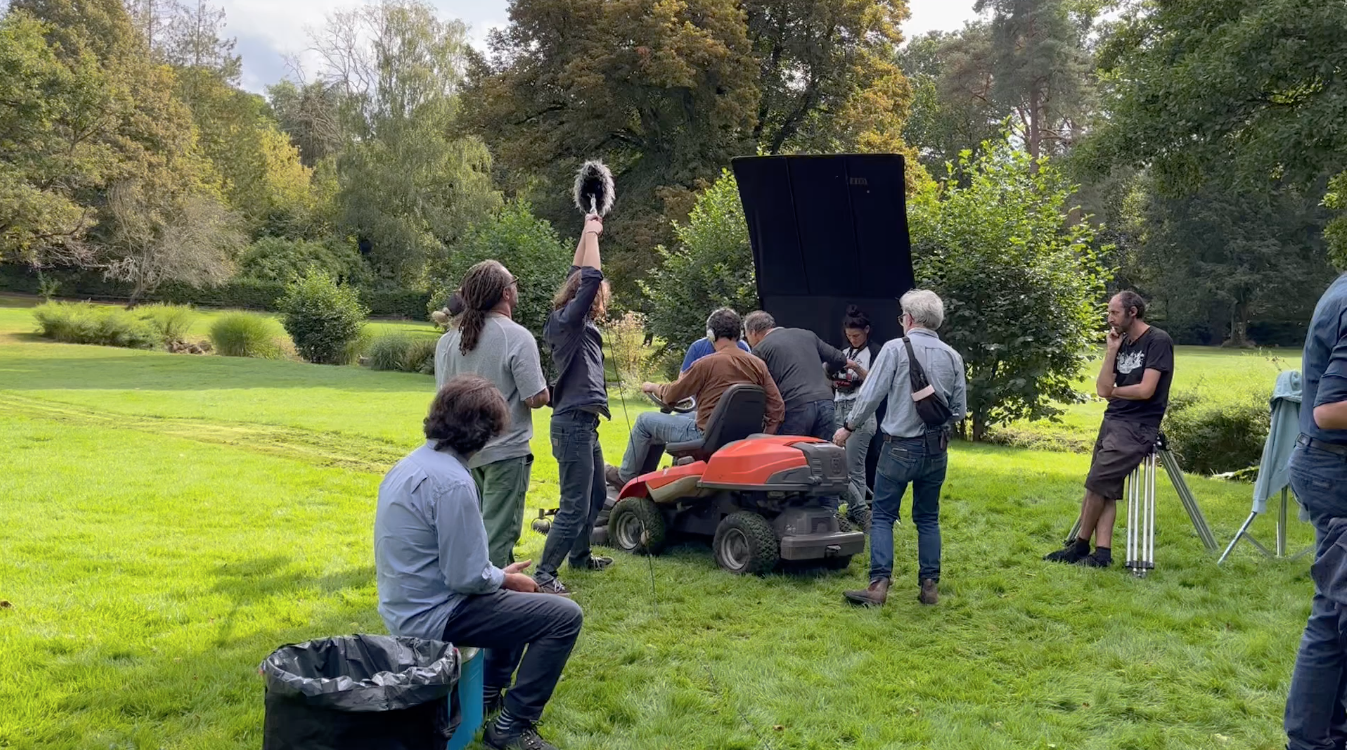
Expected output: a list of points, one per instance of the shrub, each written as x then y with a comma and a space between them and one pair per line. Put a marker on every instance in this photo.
281, 260
398, 351
396, 303
87, 323
171, 322
323, 318
389, 351
710, 267
421, 356
245, 335
631, 362
1212, 437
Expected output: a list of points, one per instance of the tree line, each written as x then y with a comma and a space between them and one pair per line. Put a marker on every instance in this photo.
1196, 148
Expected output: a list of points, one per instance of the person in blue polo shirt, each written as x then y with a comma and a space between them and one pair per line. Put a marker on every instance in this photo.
1315, 712
702, 348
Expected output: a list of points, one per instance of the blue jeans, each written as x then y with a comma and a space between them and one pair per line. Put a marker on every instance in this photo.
654, 428
856, 455
812, 419
581, 490
905, 462
1315, 712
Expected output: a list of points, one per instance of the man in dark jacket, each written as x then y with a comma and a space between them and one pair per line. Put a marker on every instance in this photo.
579, 401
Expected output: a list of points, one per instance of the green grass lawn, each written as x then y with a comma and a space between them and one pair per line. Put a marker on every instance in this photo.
169, 520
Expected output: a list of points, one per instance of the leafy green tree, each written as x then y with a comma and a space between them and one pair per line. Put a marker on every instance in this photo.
1335, 232
1222, 257
410, 182
309, 114
710, 267
1022, 287
280, 259
90, 111
1254, 87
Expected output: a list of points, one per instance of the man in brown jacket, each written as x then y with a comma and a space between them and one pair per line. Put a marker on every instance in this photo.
706, 381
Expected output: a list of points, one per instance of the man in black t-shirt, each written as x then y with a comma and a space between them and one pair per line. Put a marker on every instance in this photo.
1135, 378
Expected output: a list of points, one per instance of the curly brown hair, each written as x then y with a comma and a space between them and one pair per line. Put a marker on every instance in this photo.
569, 290
466, 414
482, 288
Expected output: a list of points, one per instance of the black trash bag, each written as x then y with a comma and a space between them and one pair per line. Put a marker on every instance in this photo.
361, 691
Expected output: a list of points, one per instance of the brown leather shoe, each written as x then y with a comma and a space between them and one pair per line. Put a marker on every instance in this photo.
873, 596
928, 591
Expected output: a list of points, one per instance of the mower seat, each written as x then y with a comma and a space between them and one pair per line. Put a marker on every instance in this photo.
739, 414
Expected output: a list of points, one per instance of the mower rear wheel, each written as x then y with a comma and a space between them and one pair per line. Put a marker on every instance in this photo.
637, 526
745, 543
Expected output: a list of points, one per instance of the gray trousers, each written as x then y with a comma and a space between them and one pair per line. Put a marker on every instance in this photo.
856, 452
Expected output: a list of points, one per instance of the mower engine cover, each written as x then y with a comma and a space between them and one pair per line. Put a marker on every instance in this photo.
779, 463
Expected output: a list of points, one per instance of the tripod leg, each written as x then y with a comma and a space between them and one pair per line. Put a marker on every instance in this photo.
1152, 464
1280, 523
1074, 530
1184, 493
1131, 510
1237, 537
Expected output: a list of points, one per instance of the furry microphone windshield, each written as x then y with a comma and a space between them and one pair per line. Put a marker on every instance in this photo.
594, 190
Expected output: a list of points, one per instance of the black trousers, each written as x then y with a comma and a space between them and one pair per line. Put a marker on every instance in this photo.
508, 624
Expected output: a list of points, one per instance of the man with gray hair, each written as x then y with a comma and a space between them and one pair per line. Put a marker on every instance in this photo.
913, 452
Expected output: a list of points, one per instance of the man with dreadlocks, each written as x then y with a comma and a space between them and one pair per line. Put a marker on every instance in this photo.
485, 341
579, 401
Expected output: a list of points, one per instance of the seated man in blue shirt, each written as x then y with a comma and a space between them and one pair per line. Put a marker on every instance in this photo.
436, 582
702, 348
1315, 712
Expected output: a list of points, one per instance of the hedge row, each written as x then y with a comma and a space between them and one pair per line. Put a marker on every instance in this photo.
246, 294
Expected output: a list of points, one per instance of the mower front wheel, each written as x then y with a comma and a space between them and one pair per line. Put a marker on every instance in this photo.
745, 543
637, 526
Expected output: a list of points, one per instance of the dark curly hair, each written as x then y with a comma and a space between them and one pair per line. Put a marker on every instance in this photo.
855, 318
725, 324
467, 412
481, 290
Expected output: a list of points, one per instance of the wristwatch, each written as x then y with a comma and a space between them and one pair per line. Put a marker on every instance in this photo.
847, 426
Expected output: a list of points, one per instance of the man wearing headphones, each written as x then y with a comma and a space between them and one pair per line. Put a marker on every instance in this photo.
706, 380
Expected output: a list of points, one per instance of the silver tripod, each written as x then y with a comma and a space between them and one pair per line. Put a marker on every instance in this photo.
1140, 509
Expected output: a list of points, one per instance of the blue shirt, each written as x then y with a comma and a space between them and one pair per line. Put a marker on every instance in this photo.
702, 348
889, 378
431, 550
1325, 361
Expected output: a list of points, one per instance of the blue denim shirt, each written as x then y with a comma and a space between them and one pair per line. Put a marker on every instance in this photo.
889, 378
1325, 361
431, 550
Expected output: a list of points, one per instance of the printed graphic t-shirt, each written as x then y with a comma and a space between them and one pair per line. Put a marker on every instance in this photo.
1152, 351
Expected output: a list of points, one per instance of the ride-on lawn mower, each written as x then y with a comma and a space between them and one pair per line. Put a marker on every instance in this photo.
758, 496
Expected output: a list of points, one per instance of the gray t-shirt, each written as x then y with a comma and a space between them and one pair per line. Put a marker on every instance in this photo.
794, 357
508, 357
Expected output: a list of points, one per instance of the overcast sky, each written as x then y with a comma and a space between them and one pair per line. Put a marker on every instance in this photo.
269, 29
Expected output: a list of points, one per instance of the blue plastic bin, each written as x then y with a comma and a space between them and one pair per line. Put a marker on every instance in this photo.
470, 690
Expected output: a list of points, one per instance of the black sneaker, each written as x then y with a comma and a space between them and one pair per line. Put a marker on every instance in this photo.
525, 739
1097, 560
862, 519
595, 562
1069, 554
553, 586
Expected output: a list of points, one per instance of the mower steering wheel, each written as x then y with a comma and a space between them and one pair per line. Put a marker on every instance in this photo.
680, 407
